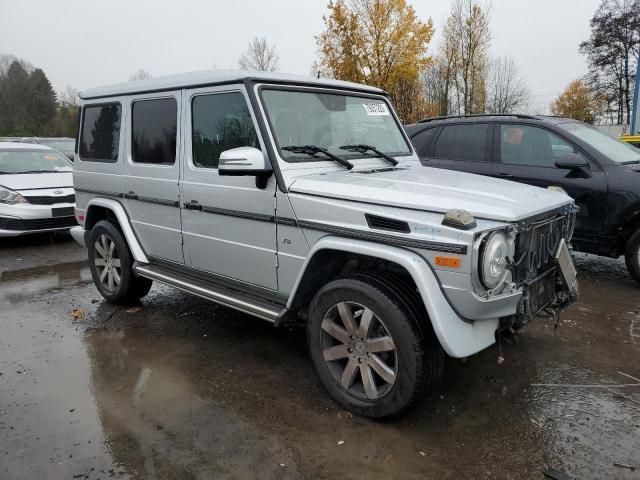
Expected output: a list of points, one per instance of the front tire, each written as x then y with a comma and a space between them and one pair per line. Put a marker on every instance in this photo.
368, 348
632, 255
111, 264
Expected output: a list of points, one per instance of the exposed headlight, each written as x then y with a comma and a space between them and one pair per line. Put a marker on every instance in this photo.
493, 260
10, 197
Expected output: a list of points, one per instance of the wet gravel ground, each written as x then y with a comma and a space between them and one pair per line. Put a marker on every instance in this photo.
178, 388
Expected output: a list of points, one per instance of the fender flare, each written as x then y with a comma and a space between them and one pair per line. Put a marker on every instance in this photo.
458, 338
123, 219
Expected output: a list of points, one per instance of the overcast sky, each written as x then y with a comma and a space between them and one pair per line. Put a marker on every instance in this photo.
86, 43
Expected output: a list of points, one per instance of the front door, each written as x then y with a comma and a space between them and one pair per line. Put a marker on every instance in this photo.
527, 154
151, 172
228, 222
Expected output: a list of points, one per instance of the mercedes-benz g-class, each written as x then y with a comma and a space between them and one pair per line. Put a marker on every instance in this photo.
301, 200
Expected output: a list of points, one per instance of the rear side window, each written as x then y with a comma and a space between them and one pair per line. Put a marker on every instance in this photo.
220, 122
462, 142
100, 133
422, 141
153, 129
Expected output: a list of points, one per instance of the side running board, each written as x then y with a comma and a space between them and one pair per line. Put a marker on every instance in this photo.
213, 291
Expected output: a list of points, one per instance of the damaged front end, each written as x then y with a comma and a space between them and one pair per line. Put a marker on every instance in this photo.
543, 268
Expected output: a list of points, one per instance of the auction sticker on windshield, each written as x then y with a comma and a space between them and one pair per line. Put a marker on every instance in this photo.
375, 108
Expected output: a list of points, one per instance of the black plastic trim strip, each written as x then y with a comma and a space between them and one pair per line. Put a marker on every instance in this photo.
158, 201
131, 196
345, 232
383, 238
104, 193
323, 227
259, 217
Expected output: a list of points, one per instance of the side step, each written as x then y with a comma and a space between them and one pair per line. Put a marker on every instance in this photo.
214, 291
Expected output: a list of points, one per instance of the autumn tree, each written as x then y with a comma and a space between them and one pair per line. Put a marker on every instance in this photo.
378, 42
465, 46
612, 52
260, 56
507, 91
576, 101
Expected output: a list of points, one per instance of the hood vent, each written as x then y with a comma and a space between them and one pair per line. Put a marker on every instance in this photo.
389, 224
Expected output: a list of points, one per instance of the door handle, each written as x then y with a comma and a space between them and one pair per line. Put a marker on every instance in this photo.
504, 175
131, 196
193, 205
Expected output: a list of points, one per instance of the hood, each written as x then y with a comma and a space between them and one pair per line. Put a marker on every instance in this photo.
29, 181
434, 190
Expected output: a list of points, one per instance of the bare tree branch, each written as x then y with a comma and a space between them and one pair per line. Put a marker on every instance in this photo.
507, 91
260, 56
140, 74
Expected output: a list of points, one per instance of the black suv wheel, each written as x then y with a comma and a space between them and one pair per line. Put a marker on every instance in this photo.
370, 353
632, 256
110, 262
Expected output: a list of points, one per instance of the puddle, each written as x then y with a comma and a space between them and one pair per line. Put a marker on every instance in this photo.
18, 285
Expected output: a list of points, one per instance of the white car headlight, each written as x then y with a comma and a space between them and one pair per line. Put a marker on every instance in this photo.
10, 197
493, 260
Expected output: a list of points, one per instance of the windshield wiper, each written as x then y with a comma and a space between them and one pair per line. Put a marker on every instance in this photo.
632, 162
37, 171
363, 148
314, 150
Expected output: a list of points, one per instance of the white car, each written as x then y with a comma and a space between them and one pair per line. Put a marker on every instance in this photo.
36, 190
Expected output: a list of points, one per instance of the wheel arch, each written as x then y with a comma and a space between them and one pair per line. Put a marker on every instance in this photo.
457, 337
628, 226
108, 209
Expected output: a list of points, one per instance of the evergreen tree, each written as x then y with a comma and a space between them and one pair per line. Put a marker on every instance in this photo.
42, 104
14, 96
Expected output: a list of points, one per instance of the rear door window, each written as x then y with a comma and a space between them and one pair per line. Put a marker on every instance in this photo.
100, 132
422, 141
154, 127
462, 142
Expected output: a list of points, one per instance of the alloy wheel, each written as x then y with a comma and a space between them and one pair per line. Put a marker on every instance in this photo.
107, 262
359, 351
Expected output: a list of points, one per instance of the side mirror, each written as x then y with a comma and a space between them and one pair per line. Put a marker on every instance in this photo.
571, 161
243, 161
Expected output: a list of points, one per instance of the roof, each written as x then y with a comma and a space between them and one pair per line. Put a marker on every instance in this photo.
213, 77
22, 146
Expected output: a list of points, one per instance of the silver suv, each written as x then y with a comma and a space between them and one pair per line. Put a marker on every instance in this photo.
301, 201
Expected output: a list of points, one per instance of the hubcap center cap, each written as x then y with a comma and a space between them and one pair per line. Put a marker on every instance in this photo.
360, 348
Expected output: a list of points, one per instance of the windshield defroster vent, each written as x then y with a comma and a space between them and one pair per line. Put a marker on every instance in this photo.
389, 224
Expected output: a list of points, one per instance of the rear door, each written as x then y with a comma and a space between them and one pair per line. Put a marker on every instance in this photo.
465, 147
151, 172
228, 221
527, 154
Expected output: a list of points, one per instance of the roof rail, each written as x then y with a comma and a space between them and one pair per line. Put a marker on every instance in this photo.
476, 115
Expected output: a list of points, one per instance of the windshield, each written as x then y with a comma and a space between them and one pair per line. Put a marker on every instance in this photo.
614, 149
32, 161
330, 121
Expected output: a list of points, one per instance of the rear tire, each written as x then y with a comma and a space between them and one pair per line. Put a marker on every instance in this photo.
632, 255
369, 349
111, 264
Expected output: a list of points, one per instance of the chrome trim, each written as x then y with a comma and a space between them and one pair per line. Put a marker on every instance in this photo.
245, 307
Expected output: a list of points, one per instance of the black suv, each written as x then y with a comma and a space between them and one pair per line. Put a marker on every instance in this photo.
599, 172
